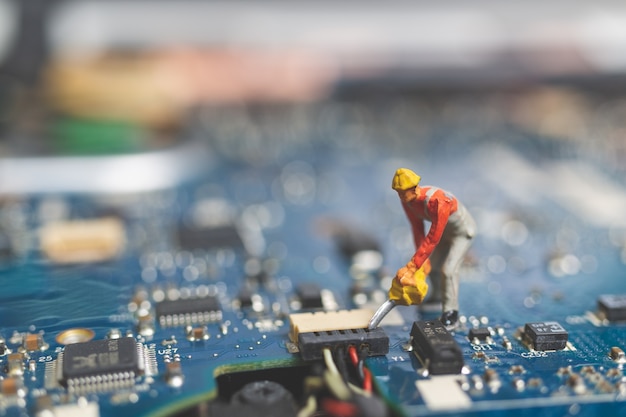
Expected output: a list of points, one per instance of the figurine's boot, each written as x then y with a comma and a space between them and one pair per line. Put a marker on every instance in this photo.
450, 319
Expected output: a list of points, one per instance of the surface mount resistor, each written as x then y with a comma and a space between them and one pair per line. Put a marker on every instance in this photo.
15, 364
174, 374
617, 354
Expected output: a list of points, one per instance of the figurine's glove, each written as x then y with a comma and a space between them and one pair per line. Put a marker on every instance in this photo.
409, 285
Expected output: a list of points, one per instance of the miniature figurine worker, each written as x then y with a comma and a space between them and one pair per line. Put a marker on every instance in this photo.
451, 231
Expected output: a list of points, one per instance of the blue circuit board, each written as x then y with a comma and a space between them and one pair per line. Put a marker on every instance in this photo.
287, 197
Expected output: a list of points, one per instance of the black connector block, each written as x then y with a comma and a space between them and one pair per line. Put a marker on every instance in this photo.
312, 344
436, 348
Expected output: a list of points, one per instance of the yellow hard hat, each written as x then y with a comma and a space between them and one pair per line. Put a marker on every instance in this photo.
405, 179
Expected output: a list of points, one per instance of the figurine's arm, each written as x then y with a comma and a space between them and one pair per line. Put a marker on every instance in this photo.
439, 212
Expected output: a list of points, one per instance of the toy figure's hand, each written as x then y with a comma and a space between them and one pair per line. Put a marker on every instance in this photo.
405, 274
409, 286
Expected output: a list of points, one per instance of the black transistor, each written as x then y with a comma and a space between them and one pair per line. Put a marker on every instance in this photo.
612, 307
548, 335
436, 348
480, 334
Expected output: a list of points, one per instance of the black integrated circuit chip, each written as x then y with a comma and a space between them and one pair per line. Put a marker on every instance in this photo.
309, 294
100, 357
548, 335
612, 307
224, 236
436, 348
189, 311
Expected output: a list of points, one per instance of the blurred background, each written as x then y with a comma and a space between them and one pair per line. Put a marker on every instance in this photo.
135, 74
147, 94
127, 96
213, 84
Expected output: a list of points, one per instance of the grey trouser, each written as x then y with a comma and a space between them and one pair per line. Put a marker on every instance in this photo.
447, 258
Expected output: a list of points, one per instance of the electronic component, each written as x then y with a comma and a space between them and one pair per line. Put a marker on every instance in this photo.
174, 374
15, 364
374, 342
34, 342
535, 383
588, 370
328, 321
189, 311
100, 365
257, 399
81, 241
114, 334
478, 335
492, 379
548, 335
506, 343
4, 349
309, 294
617, 354
612, 307
145, 324
436, 348
222, 236
519, 384
262, 393
12, 386
82, 408
443, 393
564, 370
196, 334
577, 384
244, 297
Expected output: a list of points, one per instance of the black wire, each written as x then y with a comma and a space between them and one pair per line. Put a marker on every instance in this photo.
360, 370
363, 352
340, 360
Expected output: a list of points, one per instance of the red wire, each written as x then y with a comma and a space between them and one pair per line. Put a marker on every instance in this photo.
367, 380
339, 408
367, 375
354, 356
